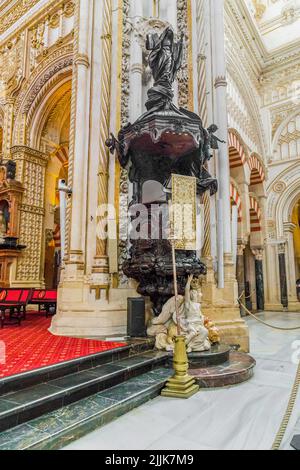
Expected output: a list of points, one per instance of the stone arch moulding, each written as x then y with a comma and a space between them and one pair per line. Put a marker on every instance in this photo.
283, 194
282, 126
55, 68
240, 79
47, 102
286, 205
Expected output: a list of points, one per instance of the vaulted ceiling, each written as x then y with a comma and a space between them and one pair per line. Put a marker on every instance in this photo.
277, 21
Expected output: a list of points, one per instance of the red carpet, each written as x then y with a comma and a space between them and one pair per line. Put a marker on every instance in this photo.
30, 346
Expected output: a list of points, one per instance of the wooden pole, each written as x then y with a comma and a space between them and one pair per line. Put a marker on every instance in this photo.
172, 239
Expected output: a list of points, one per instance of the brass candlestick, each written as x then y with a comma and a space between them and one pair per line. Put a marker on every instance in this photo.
181, 385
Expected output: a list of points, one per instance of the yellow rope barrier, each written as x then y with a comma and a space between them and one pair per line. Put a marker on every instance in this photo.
289, 411
262, 321
295, 390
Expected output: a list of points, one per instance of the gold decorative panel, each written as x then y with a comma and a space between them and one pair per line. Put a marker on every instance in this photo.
184, 215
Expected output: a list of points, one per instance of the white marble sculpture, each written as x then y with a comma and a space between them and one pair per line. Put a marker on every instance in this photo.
164, 327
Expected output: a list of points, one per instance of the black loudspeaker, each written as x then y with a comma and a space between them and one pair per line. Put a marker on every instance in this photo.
136, 322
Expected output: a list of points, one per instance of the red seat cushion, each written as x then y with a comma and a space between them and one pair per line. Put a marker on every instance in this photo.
42, 295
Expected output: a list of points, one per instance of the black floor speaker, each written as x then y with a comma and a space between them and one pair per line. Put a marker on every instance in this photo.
136, 322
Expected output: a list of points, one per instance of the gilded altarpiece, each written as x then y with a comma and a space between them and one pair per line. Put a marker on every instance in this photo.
11, 192
31, 168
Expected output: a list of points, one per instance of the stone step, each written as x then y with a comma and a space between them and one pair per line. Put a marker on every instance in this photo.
59, 428
21, 406
238, 369
55, 371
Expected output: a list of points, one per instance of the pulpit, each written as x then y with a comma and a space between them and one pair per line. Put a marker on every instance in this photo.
10, 199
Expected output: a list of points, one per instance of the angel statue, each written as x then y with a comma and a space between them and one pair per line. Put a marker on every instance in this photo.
200, 333
165, 60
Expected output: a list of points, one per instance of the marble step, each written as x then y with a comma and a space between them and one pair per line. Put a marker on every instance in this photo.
59, 428
218, 354
238, 369
55, 371
23, 405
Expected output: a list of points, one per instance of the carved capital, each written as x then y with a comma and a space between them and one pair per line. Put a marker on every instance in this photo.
289, 227
281, 249
258, 253
220, 82
137, 68
241, 249
82, 59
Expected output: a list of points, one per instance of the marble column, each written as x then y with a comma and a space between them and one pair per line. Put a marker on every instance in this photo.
136, 64
289, 229
240, 273
82, 71
220, 85
259, 276
272, 284
101, 103
282, 275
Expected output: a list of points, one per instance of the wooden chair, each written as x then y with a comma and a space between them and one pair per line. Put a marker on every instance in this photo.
14, 301
45, 299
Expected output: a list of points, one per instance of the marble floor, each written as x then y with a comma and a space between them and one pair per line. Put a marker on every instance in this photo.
245, 417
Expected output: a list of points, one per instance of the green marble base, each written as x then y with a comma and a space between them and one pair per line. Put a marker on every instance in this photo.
57, 429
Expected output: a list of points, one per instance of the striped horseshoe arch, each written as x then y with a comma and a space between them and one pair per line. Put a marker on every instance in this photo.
255, 215
237, 155
236, 201
62, 153
257, 170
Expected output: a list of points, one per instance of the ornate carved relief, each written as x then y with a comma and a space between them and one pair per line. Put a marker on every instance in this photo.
52, 69
19, 9
123, 201
11, 64
183, 75
288, 145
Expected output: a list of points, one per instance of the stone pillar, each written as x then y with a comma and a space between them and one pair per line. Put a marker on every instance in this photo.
31, 169
136, 64
82, 76
259, 276
220, 85
289, 229
240, 274
283, 276
272, 291
220, 304
100, 275
244, 192
87, 304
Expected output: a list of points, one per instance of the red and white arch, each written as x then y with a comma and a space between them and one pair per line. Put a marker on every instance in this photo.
57, 237
236, 201
255, 215
237, 154
62, 153
257, 170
